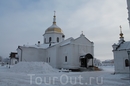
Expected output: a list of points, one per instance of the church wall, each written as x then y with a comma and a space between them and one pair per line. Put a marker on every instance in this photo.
63, 52
51, 55
87, 45
19, 54
73, 53
82, 40
80, 50
76, 56
31, 54
119, 61
42, 54
84, 47
60, 55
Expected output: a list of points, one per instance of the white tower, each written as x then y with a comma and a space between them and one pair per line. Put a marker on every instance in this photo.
53, 34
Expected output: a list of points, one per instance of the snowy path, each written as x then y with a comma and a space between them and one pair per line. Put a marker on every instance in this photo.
95, 78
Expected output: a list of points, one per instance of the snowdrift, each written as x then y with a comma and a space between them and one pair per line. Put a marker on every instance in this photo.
32, 67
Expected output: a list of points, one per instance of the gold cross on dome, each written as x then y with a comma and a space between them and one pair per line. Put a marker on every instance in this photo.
120, 29
54, 13
82, 32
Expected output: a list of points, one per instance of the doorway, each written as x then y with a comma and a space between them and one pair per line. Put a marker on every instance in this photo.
84, 59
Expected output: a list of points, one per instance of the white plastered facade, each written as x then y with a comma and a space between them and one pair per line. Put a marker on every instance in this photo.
58, 53
120, 53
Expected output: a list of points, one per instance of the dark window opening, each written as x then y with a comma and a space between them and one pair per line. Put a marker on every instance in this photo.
49, 59
57, 39
63, 36
49, 39
65, 58
126, 62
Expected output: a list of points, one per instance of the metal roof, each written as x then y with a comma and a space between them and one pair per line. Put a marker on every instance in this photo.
124, 46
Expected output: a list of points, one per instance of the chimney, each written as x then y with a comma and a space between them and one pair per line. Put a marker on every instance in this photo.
38, 43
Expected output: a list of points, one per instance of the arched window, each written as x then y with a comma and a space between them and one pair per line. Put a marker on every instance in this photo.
49, 39
126, 62
57, 39
44, 40
49, 60
65, 58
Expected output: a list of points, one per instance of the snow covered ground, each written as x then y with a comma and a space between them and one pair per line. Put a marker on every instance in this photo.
42, 74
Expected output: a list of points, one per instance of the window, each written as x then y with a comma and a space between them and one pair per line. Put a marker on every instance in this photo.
49, 59
49, 39
126, 62
57, 39
65, 58
15, 62
44, 40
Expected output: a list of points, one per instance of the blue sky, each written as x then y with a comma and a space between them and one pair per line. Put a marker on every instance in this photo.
25, 21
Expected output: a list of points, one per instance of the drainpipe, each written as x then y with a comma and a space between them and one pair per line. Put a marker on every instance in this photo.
21, 51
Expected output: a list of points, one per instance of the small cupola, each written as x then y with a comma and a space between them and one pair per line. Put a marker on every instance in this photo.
53, 34
53, 28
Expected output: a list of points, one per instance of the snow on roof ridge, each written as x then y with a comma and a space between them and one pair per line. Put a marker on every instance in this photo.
124, 46
67, 41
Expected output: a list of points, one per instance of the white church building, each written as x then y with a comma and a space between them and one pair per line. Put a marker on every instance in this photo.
121, 51
121, 58
59, 52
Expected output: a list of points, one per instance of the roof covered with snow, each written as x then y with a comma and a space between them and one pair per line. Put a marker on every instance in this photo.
63, 43
43, 46
39, 46
67, 41
124, 46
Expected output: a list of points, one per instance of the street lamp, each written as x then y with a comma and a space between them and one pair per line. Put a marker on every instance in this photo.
129, 62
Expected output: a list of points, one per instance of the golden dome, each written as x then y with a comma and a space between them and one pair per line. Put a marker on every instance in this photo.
54, 27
